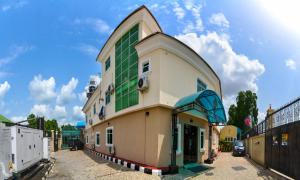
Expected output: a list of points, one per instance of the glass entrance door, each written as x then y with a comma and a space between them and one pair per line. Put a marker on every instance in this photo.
190, 143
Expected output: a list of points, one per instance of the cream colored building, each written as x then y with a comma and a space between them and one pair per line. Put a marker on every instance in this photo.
147, 76
230, 133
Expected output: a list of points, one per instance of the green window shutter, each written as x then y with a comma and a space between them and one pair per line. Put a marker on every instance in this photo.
126, 70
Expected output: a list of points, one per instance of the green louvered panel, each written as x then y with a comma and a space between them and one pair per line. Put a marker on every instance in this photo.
126, 70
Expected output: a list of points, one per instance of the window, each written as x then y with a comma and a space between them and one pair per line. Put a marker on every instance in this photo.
200, 85
86, 119
107, 64
87, 140
94, 108
178, 151
202, 139
109, 136
126, 70
146, 67
107, 97
97, 143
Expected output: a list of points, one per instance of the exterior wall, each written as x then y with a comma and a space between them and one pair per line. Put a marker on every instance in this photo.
88, 110
255, 147
137, 137
228, 131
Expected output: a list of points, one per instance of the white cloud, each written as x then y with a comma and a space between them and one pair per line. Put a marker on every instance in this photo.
41, 110
4, 88
291, 64
236, 71
197, 24
77, 113
219, 19
67, 92
98, 25
42, 90
18, 118
88, 49
14, 52
13, 5
59, 112
179, 11
261, 116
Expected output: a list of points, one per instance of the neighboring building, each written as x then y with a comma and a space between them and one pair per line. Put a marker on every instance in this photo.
230, 133
149, 77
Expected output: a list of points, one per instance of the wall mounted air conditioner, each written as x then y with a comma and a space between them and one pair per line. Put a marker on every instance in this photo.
102, 113
111, 88
143, 83
90, 122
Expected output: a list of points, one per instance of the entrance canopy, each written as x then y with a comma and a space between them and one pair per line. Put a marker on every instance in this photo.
204, 103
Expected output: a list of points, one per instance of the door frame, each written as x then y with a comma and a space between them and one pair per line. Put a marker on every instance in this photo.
196, 141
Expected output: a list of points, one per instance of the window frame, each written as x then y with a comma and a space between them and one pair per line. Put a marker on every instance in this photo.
107, 100
87, 139
107, 64
143, 65
202, 148
112, 136
94, 109
200, 82
97, 144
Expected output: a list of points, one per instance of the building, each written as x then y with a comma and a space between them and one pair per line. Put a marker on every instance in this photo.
230, 133
156, 99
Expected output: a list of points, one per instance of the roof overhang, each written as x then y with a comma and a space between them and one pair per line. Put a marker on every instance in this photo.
204, 103
141, 14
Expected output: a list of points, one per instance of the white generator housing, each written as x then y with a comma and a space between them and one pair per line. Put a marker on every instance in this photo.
5, 152
27, 147
46, 148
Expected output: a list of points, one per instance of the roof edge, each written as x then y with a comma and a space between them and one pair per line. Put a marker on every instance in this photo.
124, 20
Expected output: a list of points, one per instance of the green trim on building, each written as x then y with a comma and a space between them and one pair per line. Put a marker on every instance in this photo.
126, 69
3, 119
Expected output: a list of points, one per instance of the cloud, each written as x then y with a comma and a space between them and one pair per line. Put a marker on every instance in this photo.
77, 113
59, 112
291, 64
42, 90
40, 110
67, 92
13, 5
179, 12
88, 49
219, 19
18, 118
236, 71
261, 116
14, 52
98, 25
4, 88
196, 25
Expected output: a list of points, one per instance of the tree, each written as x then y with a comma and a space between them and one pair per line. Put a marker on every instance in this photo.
245, 106
32, 122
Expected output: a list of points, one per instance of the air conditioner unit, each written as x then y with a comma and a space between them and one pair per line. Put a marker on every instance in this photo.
102, 113
91, 122
143, 82
111, 88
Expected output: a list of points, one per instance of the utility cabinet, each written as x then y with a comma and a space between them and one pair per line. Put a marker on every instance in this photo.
27, 147
5, 152
46, 148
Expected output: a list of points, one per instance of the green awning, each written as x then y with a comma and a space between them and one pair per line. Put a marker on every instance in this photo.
210, 103
3, 119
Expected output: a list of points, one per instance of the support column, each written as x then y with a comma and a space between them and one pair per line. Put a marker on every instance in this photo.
173, 167
209, 159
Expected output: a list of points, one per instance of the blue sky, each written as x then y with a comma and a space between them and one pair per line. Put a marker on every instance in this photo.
48, 48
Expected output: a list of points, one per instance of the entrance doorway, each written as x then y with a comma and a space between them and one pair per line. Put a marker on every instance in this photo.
190, 144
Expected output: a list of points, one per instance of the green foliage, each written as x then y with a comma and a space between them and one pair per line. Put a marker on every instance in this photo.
49, 124
245, 106
225, 146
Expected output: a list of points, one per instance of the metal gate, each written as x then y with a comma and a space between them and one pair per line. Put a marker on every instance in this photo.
282, 148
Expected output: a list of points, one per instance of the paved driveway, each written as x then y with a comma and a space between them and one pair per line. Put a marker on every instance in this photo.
78, 165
